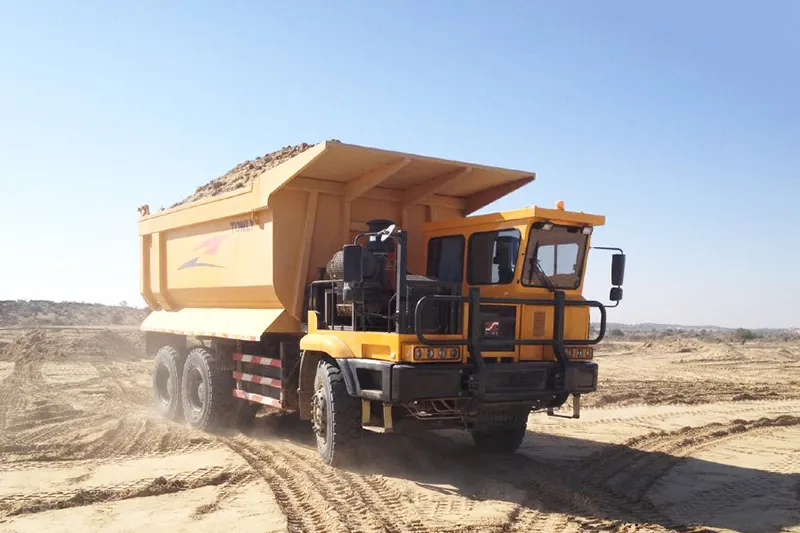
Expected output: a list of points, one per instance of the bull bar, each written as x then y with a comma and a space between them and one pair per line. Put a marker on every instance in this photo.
476, 342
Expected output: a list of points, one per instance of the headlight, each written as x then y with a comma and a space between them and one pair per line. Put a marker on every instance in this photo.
438, 353
580, 353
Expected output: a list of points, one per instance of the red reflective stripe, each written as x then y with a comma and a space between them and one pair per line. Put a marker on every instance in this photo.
257, 398
260, 380
257, 360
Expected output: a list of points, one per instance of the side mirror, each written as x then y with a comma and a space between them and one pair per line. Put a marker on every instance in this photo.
353, 265
617, 271
616, 294
386, 233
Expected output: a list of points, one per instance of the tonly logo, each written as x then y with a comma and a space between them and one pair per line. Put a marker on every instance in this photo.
207, 248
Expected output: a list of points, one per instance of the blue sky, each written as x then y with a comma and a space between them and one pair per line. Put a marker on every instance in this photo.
679, 121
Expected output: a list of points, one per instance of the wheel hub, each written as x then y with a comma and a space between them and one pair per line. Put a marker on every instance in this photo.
201, 392
163, 385
319, 414
197, 390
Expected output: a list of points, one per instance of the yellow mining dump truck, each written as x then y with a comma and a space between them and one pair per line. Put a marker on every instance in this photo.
350, 285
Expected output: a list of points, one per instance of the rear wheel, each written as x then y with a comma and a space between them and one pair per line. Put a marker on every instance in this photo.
335, 415
206, 392
502, 440
167, 371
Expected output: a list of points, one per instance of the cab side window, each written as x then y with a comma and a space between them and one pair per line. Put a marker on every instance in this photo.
493, 257
446, 258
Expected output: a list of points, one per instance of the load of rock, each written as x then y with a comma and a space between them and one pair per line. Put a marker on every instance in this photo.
243, 174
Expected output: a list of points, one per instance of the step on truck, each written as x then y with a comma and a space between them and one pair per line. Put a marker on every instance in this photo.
356, 288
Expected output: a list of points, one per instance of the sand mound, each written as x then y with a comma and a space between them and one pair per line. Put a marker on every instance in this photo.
110, 345
690, 346
243, 174
38, 313
32, 346
41, 345
672, 345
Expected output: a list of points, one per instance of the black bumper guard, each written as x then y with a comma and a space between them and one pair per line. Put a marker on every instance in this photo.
477, 343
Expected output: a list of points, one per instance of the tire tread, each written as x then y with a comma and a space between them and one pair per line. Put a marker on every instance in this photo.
171, 358
220, 399
346, 416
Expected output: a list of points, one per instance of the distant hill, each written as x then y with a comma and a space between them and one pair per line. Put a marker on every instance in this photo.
649, 331
35, 313
658, 328
651, 327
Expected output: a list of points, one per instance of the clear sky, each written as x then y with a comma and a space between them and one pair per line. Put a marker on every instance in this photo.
679, 121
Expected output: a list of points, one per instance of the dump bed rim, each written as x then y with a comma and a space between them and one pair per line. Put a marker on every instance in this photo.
273, 180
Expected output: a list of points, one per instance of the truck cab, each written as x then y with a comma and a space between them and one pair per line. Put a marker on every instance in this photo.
495, 328
527, 253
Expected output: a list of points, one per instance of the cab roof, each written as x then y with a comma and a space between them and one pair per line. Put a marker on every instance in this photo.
556, 216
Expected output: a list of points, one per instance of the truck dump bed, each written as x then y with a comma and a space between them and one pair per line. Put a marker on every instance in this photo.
236, 265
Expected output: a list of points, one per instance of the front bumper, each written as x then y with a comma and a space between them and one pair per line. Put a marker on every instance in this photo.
512, 382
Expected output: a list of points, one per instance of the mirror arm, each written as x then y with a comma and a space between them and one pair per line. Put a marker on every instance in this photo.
607, 248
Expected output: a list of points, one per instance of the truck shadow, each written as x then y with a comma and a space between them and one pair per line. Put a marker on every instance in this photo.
596, 480
582, 478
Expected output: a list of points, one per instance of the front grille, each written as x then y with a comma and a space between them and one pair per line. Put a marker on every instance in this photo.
538, 323
493, 360
517, 380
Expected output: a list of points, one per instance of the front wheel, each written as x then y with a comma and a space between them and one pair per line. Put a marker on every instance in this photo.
502, 440
335, 415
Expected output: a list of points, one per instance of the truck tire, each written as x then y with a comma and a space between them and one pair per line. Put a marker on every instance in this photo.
167, 373
503, 440
335, 416
206, 392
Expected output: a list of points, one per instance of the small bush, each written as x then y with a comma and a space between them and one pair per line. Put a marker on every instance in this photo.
743, 335
616, 332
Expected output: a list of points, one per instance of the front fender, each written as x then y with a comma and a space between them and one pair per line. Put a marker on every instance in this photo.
333, 346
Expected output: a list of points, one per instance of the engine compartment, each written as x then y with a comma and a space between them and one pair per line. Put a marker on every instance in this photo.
386, 296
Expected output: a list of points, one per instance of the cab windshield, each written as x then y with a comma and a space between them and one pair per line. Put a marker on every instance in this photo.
554, 257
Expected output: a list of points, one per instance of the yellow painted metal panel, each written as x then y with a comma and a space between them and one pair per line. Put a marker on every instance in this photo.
576, 326
244, 324
383, 346
328, 344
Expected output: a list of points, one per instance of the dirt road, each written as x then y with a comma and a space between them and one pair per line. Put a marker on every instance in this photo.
684, 436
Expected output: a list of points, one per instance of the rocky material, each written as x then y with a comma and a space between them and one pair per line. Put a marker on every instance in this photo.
243, 174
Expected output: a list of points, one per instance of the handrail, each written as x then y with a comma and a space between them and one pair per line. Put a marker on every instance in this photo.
418, 312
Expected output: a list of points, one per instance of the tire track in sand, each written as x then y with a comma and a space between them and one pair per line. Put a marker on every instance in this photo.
618, 415
20, 504
16, 466
703, 505
392, 510
370, 494
305, 506
633, 467
550, 492
320, 499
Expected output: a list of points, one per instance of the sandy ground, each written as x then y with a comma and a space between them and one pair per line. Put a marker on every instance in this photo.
683, 436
